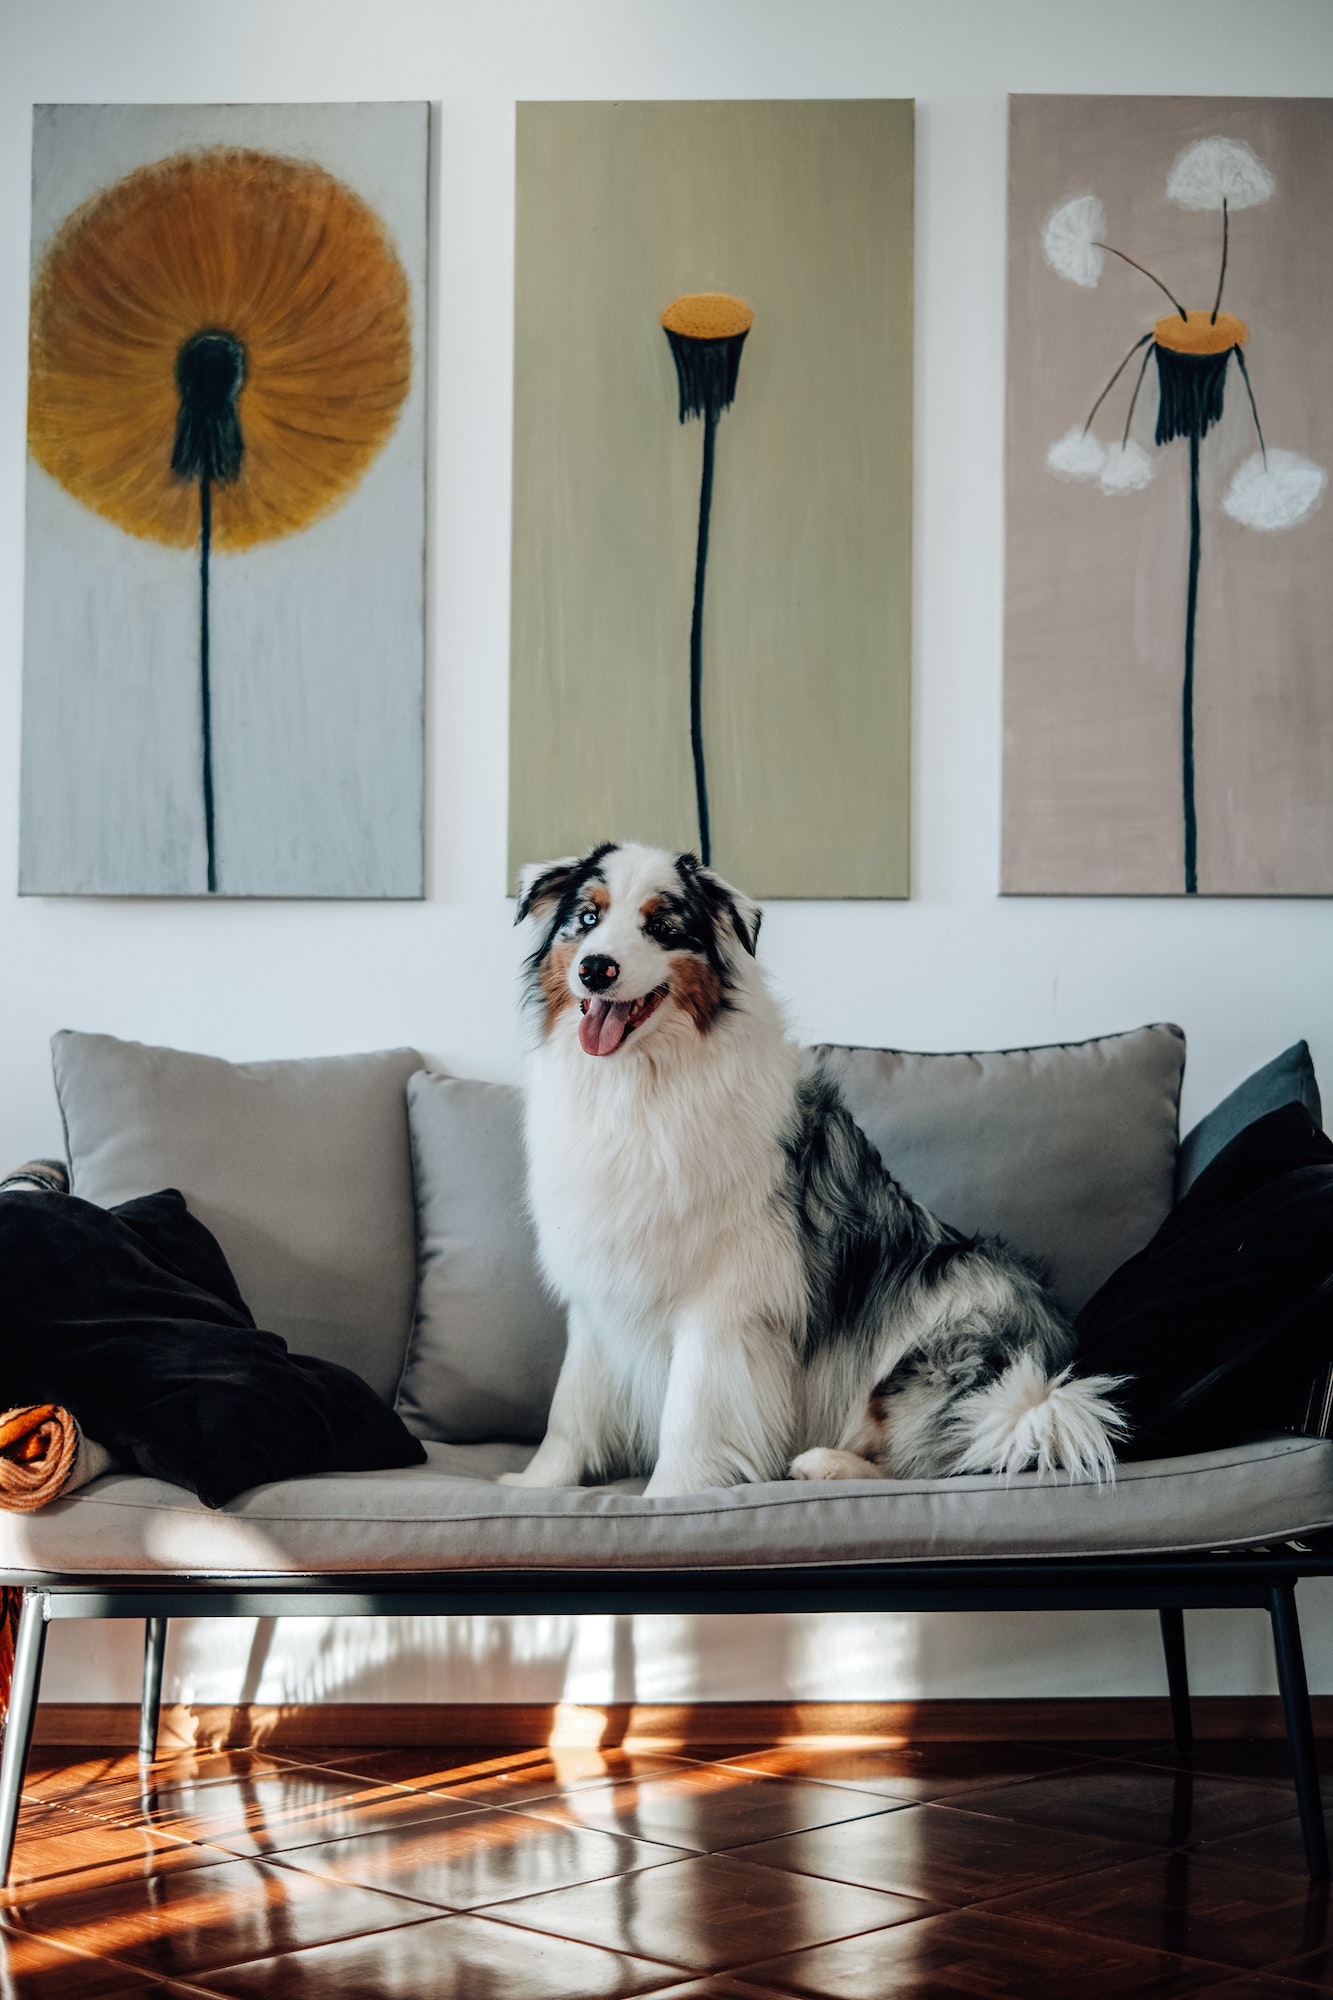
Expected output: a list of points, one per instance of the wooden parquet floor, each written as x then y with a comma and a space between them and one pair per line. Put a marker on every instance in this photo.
1045, 1871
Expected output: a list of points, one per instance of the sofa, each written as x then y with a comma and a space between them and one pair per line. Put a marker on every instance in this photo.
371, 1209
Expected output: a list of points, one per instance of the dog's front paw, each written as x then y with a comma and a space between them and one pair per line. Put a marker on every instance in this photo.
821, 1463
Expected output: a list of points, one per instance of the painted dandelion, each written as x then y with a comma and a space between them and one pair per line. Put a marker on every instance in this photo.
706, 332
1192, 348
220, 348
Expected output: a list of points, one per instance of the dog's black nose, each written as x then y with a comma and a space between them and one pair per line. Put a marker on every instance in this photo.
597, 971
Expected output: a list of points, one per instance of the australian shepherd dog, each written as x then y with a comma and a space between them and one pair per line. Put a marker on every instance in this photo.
751, 1294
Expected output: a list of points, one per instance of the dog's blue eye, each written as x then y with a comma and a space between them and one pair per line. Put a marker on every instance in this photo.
588, 919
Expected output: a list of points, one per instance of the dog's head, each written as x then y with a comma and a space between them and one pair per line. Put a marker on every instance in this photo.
634, 941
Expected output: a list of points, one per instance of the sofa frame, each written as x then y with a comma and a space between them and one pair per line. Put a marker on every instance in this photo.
1262, 1580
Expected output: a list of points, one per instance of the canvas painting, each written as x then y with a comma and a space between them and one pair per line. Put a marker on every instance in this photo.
1168, 700
712, 488
224, 621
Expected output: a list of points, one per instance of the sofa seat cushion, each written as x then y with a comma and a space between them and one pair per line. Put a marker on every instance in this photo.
450, 1515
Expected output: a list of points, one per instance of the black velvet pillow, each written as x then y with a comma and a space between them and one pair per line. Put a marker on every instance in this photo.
130, 1318
1224, 1321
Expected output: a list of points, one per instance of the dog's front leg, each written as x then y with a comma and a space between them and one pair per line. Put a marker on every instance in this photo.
727, 1409
579, 1428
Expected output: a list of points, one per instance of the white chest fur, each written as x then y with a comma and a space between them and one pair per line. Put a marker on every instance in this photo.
651, 1170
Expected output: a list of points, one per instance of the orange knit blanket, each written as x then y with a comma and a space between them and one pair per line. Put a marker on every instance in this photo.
38, 1447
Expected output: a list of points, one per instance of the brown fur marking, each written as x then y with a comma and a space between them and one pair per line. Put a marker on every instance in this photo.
696, 988
554, 984
599, 898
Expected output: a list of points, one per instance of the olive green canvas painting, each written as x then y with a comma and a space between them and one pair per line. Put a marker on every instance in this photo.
710, 638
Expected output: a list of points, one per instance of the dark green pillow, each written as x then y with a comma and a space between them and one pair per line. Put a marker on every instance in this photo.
1288, 1079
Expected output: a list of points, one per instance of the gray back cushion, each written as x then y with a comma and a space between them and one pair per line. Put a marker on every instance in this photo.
1067, 1152
488, 1340
301, 1170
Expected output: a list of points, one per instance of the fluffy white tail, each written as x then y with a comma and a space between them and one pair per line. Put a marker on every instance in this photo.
1028, 1421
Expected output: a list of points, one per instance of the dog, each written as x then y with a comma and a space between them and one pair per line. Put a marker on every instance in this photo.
750, 1293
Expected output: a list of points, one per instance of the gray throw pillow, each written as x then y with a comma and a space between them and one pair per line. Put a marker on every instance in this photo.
301, 1170
1067, 1152
1288, 1079
488, 1340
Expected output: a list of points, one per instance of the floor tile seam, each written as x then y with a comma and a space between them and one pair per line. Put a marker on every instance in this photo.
1269, 1783
505, 1812
336, 1882
611, 1832
127, 1795
94, 1957
460, 1909
236, 1964
436, 1916
35, 1883
563, 1937
744, 1859
835, 1787
985, 1907
204, 1838
1189, 1843
1284, 1786
937, 1897
727, 1971
548, 1818
428, 1916
1230, 1966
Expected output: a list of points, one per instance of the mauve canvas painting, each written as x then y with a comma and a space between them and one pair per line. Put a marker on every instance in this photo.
1168, 710
224, 639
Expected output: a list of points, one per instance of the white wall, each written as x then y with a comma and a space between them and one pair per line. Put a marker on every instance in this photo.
954, 968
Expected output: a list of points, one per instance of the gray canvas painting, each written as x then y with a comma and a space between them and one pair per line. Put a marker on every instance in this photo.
224, 621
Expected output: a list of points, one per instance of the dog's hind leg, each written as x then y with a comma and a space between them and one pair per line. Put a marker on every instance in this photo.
581, 1426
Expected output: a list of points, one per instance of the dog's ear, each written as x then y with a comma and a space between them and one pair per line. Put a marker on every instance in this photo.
746, 917
734, 908
542, 883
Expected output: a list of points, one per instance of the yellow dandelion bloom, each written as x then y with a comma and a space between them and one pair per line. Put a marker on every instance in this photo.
275, 254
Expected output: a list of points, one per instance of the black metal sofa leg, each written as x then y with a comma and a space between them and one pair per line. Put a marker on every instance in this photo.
1177, 1677
154, 1652
1300, 1730
29, 1647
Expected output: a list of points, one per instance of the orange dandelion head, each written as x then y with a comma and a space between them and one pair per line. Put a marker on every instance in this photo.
224, 314
1200, 333
708, 316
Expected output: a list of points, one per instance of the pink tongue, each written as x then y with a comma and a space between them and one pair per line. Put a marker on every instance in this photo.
602, 1028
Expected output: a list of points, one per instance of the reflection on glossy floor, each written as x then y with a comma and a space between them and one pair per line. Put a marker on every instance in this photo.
754, 1870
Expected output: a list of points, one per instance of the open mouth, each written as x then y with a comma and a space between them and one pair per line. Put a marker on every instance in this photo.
607, 1023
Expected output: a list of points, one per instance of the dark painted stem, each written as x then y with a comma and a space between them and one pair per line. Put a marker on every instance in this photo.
205, 692
1147, 274
1187, 695
1115, 378
1129, 415
1254, 407
697, 638
1222, 274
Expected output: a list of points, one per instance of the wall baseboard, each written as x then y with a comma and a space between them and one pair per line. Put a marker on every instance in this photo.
645, 1725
